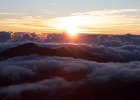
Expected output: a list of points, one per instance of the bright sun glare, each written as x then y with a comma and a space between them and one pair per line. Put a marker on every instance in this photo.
72, 31
71, 24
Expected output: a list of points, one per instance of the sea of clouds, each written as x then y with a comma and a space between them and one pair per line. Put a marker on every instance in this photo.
52, 74
67, 78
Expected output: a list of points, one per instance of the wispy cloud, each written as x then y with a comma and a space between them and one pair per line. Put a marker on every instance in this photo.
97, 21
106, 11
9, 13
111, 21
26, 23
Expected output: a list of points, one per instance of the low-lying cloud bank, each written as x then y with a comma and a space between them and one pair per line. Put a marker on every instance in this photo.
52, 78
125, 53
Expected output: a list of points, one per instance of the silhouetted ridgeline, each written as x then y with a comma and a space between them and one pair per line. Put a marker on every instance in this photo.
69, 51
99, 54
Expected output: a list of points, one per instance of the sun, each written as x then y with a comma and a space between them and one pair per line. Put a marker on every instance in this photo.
70, 25
72, 31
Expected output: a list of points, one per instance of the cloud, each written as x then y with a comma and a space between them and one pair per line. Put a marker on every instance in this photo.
59, 77
26, 24
15, 38
97, 21
106, 21
12, 74
107, 12
9, 13
29, 66
50, 85
5, 36
96, 52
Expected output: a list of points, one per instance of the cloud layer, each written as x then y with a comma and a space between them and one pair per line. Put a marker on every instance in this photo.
58, 77
105, 40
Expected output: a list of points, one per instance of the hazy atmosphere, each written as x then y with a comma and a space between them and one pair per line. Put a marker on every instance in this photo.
81, 16
69, 49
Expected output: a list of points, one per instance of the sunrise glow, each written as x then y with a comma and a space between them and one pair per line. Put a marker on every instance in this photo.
70, 17
71, 24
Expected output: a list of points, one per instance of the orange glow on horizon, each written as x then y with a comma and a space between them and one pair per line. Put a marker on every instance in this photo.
73, 36
92, 22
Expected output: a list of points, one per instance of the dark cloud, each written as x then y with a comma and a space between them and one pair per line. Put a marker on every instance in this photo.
60, 75
48, 85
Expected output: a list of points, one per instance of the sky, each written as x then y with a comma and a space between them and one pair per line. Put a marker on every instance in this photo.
73, 16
